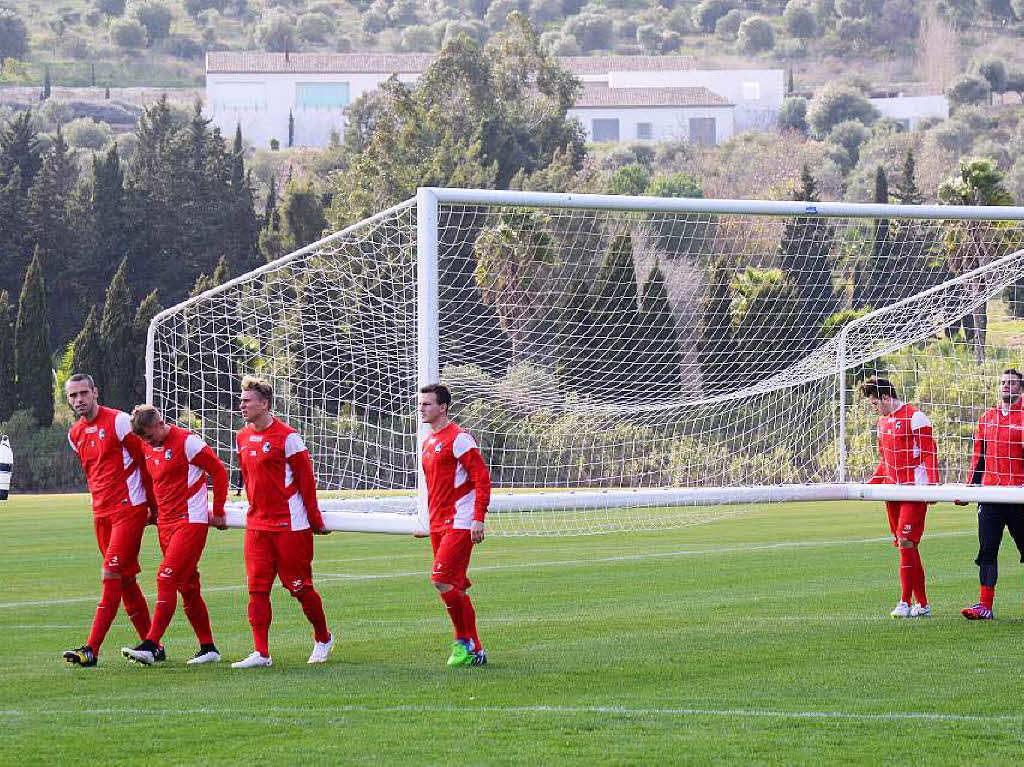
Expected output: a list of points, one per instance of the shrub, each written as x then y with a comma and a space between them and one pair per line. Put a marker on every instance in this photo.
43, 460
793, 115
314, 27
155, 17
13, 35
755, 35
128, 33
799, 19
836, 103
968, 89
86, 133
708, 12
727, 27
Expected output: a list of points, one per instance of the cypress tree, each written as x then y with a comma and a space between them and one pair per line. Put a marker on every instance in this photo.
13, 233
46, 84
906, 191
661, 374
271, 222
617, 315
7, 369
237, 161
716, 350
222, 273
32, 348
805, 257
291, 128
19, 148
87, 356
148, 309
116, 337
49, 227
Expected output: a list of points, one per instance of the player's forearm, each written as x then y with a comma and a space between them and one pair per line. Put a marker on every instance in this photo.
474, 464
208, 461
302, 470
929, 454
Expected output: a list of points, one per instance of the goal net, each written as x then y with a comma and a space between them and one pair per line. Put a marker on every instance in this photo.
624, 362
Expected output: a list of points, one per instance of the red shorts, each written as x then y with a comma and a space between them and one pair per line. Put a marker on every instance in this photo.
284, 553
182, 544
451, 557
119, 536
906, 519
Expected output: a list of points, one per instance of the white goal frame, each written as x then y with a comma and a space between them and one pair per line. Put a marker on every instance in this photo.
407, 514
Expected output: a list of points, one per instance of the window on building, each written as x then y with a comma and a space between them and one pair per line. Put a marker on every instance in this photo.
241, 96
751, 91
605, 129
645, 130
702, 131
321, 95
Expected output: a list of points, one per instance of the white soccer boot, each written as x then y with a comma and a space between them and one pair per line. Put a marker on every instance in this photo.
321, 650
206, 654
254, 661
901, 610
920, 611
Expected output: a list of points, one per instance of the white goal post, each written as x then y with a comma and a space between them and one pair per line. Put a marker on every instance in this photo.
624, 362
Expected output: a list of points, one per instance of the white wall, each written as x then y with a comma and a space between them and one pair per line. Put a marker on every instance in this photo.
667, 123
913, 109
260, 102
750, 113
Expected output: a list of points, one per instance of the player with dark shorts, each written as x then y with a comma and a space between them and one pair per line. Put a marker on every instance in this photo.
998, 460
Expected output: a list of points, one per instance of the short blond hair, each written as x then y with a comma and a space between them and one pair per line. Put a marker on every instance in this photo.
145, 417
259, 385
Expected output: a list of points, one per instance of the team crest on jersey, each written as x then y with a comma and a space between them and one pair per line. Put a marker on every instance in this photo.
266, 447
167, 455
103, 434
438, 448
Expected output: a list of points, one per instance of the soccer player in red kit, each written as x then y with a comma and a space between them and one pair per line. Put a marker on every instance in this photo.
908, 457
283, 515
112, 459
178, 462
998, 460
458, 492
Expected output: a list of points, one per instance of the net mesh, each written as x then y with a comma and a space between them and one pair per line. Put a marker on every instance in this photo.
596, 354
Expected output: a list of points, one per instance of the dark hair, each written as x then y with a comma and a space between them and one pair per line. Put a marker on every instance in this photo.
77, 377
444, 397
1015, 373
879, 387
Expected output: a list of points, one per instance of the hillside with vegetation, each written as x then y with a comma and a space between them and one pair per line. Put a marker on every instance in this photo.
898, 44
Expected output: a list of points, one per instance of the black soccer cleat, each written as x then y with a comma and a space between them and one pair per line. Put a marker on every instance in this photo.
146, 652
81, 656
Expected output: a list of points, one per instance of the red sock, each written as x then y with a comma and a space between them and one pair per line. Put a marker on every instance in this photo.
105, 612
908, 572
198, 615
313, 607
135, 605
469, 621
260, 616
987, 596
166, 602
453, 601
922, 597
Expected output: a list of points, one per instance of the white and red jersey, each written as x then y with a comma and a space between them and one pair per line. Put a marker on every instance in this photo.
458, 482
998, 457
179, 467
907, 449
278, 477
111, 457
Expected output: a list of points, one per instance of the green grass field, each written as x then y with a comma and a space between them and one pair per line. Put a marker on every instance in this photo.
758, 639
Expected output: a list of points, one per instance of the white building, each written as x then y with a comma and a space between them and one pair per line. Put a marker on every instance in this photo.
908, 111
661, 97
653, 114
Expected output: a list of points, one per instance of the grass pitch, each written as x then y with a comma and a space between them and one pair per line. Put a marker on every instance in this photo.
759, 639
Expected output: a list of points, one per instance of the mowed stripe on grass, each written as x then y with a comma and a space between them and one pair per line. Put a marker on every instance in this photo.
762, 638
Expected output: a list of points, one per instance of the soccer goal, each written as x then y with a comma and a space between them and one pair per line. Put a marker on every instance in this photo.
625, 363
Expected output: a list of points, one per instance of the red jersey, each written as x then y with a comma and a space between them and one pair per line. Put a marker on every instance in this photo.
179, 467
458, 483
111, 457
278, 477
907, 448
999, 448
